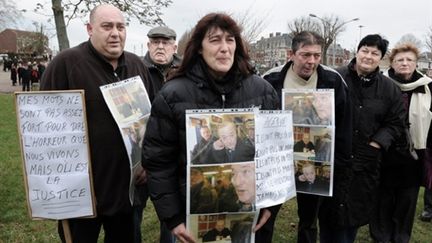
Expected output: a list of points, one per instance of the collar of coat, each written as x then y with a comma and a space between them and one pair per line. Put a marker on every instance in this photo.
121, 60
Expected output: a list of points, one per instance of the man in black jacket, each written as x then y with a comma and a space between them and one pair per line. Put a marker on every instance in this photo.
304, 71
160, 60
100, 61
229, 147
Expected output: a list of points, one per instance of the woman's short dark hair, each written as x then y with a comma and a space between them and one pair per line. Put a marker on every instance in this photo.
374, 40
210, 22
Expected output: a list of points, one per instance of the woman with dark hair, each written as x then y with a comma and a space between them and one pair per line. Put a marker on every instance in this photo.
215, 73
378, 120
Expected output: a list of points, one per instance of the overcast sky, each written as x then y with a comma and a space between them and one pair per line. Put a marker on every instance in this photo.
390, 18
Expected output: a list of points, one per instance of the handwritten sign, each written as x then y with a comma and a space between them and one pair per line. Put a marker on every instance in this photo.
274, 166
54, 144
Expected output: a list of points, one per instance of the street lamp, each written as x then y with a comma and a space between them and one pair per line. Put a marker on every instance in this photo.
333, 31
360, 31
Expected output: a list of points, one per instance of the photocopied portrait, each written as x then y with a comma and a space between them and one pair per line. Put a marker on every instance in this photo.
216, 138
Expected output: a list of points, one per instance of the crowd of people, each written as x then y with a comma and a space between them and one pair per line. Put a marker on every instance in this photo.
26, 74
382, 136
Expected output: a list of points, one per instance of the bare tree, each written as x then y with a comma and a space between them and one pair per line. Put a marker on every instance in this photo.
428, 41
410, 38
252, 26
40, 42
147, 12
329, 27
9, 14
252, 23
303, 24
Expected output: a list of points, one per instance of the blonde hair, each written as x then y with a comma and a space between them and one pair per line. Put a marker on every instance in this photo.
404, 47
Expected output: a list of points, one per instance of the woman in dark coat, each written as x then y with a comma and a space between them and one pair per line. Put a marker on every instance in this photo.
402, 168
378, 119
215, 73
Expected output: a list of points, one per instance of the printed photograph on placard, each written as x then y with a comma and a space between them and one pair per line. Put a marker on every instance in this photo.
223, 228
222, 188
310, 107
214, 138
127, 100
133, 136
313, 143
130, 106
313, 177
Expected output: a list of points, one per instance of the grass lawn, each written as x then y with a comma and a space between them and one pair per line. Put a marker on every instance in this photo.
16, 226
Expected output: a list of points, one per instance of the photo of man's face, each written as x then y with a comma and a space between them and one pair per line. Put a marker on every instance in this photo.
309, 173
228, 135
205, 133
322, 104
243, 180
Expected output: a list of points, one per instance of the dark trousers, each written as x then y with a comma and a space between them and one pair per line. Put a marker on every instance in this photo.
26, 85
265, 233
393, 217
307, 209
165, 234
427, 199
118, 228
331, 235
141, 198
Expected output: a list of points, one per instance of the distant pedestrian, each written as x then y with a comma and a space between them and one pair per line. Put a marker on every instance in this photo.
34, 77
41, 68
20, 70
26, 75
13, 75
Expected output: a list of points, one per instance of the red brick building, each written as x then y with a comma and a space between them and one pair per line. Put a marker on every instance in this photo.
19, 42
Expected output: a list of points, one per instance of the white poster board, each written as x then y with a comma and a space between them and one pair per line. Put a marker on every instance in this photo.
274, 158
130, 106
314, 132
54, 144
239, 161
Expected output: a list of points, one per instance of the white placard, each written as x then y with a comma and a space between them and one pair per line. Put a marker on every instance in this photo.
54, 143
130, 106
274, 158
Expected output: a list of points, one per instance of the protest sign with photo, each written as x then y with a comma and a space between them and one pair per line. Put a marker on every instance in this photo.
314, 129
232, 170
130, 106
54, 144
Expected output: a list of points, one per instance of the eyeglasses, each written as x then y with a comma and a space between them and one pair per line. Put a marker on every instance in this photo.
157, 42
307, 55
402, 60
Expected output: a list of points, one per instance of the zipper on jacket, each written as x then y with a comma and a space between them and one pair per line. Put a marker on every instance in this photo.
115, 75
223, 100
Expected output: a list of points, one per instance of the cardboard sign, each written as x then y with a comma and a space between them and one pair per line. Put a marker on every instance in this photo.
52, 130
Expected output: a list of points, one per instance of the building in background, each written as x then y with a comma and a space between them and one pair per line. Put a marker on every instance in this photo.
275, 50
24, 44
271, 52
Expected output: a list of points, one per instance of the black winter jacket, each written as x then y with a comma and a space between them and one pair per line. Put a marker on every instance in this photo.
164, 147
327, 79
378, 115
157, 76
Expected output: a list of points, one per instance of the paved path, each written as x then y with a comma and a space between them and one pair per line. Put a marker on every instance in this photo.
6, 83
